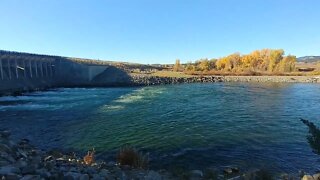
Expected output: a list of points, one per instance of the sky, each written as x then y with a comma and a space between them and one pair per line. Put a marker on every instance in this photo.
159, 31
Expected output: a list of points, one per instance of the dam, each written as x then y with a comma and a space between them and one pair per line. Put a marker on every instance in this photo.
21, 72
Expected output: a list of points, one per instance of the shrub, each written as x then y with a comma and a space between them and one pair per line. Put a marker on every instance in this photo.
132, 157
89, 158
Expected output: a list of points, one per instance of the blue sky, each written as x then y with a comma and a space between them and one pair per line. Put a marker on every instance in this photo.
159, 31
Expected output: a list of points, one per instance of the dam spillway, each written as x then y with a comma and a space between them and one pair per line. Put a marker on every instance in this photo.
24, 72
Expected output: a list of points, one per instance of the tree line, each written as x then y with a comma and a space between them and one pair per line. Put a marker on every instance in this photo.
265, 60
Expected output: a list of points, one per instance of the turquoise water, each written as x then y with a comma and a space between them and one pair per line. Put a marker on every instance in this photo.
191, 125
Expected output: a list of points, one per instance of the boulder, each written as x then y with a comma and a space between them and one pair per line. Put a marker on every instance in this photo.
152, 175
72, 175
97, 177
31, 177
29, 169
5, 134
104, 173
84, 177
316, 176
5, 170
5, 148
307, 177
231, 170
196, 174
11, 177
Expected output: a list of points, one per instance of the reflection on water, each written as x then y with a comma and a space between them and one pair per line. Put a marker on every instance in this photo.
190, 125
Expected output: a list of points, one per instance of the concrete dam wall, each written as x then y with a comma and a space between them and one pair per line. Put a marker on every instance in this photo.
26, 72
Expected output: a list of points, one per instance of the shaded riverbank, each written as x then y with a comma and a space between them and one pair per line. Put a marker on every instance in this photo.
21, 160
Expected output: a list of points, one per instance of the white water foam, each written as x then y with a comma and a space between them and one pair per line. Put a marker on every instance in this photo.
30, 107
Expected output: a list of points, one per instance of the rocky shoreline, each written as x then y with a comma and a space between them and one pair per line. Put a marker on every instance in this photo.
21, 160
150, 80
147, 80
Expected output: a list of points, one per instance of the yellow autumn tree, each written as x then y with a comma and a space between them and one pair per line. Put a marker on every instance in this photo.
204, 65
190, 68
287, 64
275, 57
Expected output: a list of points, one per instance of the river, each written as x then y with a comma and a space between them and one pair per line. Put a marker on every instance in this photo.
191, 126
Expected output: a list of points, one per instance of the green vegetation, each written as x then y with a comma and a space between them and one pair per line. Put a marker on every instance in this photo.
263, 61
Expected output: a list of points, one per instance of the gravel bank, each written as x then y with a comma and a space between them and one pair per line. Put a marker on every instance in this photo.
156, 80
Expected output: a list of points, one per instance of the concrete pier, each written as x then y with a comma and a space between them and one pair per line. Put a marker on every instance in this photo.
25, 69
9, 69
1, 69
30, 67
16, 67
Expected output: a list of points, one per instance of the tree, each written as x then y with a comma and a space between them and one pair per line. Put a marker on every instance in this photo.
275, 57
287, 64
221, 63
190, 68
213, 63
204, 65
177, 65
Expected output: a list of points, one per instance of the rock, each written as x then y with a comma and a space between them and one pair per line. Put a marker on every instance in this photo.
24, 142
5, 148
227, 171
73, 169
152, 175
49, 165
30, 177
84, 177
236, 178
231, 170
120, 175
111, 163
97, 177
72, 175
5, 134
12, 177
196, 174
301, 173
48, 158
21, 163
4, 163
22, 153
211, 173
104, 173
316, 176
57, 175
44, 173
285, 176
29, 169
91, 170
307, 177
6, 170
7, 157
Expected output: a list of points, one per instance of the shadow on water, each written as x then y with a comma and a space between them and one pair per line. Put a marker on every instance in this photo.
314, 136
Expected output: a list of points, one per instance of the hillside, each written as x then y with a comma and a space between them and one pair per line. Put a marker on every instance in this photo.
309, 59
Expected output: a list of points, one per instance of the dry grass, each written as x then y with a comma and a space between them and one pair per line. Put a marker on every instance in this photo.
132, 157
170, 74
89, 158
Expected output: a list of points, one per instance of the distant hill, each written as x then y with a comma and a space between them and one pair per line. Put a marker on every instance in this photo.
309, 59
